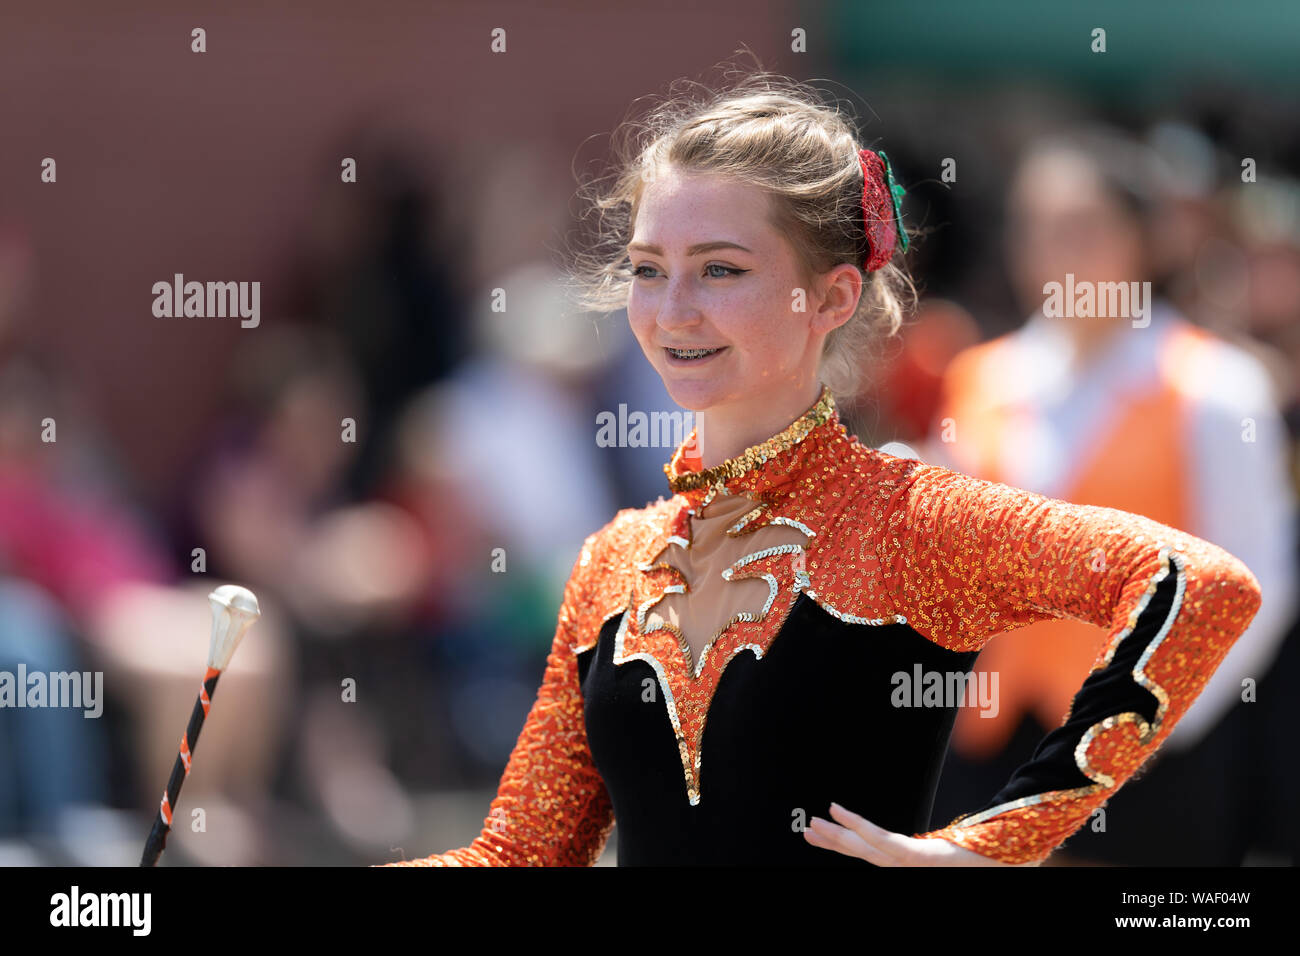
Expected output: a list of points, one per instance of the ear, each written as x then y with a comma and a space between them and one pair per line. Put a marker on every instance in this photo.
839, 290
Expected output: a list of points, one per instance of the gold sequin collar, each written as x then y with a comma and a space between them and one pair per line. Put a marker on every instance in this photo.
753, 457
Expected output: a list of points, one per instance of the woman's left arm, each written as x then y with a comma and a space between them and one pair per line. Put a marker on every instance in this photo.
971, 558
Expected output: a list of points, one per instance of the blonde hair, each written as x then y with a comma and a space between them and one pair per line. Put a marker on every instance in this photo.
772, 132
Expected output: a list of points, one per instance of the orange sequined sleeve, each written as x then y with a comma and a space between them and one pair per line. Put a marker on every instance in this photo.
970, 559
551, 807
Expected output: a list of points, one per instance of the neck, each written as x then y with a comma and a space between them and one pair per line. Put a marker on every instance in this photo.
724, 431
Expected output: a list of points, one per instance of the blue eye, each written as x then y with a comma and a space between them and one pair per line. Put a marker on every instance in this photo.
637, 271
726, 269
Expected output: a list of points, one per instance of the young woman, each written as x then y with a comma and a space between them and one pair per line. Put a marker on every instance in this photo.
765, 666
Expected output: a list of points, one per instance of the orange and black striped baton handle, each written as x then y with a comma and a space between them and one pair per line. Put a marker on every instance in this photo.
162, 825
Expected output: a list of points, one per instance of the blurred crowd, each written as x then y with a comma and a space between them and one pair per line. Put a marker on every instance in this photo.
410, 578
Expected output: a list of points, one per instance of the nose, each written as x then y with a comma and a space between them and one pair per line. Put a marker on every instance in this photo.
677, 309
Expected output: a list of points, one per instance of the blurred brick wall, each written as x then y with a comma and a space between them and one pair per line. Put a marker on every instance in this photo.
206, 164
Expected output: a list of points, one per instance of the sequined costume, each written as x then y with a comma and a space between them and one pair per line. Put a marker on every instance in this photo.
870, 583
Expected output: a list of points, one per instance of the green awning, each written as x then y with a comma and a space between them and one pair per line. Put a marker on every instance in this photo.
1149, 43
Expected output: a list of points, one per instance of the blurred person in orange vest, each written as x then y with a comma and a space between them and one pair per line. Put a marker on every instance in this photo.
1107, 396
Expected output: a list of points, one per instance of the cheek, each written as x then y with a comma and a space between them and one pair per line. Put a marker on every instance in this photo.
641, 321
758, 314
767, 337
638, 316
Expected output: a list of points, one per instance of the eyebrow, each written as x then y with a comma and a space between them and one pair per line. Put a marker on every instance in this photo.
694, 250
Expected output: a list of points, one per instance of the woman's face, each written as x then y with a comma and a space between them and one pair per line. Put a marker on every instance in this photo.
711, 272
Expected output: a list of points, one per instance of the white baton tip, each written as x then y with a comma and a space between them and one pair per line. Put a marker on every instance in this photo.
234, 609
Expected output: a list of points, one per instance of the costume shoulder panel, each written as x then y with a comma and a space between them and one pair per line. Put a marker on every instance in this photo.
843, 572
